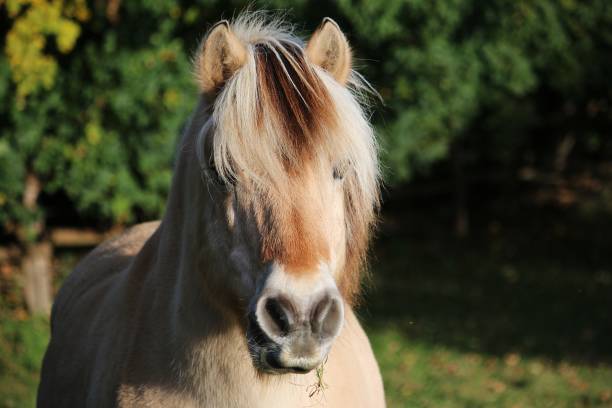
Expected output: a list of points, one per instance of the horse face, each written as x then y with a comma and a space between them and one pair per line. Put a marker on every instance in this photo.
285, 251
284, 131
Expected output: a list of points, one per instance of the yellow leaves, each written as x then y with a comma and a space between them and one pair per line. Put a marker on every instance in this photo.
13, 7
93, 133
78, 10
33, 22
30, 68
66, 35
171, 98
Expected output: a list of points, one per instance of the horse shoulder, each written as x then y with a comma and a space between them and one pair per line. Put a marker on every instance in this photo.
86, 305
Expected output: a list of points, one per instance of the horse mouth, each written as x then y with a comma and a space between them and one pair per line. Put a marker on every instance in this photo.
269, 362
267, 355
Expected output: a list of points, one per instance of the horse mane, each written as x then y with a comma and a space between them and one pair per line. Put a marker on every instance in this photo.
279, 111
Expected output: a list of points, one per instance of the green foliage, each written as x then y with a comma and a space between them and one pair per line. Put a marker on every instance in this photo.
92, 98
102, 129
22, 345
445, 64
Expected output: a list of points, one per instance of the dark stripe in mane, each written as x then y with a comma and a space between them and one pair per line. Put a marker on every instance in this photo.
293, 94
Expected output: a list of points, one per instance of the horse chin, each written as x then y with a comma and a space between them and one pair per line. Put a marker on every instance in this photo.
266, 361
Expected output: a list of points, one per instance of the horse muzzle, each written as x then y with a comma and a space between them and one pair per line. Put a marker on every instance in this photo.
292, 333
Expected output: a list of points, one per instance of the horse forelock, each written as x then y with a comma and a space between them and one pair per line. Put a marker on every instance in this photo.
278, 115
296, 98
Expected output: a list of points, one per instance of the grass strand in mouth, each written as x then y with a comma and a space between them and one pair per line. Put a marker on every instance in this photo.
319, 386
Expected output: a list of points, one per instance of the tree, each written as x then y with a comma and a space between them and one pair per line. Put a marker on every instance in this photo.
94, 123
484, 82
93, 95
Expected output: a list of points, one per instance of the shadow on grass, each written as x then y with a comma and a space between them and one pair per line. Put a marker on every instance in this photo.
530, 280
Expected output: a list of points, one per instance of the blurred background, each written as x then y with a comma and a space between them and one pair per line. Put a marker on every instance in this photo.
492, 268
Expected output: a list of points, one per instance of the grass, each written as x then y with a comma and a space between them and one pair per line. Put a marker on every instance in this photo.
517, 315
22, 344
23, 341
418, 374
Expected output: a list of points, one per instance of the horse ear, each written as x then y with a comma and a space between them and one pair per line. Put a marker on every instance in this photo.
221, 55
329, 49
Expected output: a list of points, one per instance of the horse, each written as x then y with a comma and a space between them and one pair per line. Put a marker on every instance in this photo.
243, 294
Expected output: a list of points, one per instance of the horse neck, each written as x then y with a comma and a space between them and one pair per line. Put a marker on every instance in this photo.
193, 309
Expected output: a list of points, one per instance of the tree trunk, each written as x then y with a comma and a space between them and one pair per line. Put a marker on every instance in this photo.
36, 263
36, 272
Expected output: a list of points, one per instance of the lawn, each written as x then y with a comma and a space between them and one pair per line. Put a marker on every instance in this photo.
419, 374
516, 315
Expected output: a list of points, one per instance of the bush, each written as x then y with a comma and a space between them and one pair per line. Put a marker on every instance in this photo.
93, 95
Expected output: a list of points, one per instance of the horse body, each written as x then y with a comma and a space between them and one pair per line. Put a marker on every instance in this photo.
157, 316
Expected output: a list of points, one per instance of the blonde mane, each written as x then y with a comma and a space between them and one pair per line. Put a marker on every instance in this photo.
279, 111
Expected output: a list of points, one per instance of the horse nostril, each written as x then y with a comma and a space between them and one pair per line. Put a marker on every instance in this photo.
326, 317
278, 311
299, 326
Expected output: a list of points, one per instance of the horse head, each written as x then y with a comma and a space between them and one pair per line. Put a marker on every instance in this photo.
289, 160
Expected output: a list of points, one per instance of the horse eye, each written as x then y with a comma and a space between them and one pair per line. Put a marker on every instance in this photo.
214, 176
217, 180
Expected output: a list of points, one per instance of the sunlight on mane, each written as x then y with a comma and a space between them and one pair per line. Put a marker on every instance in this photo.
256, 120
